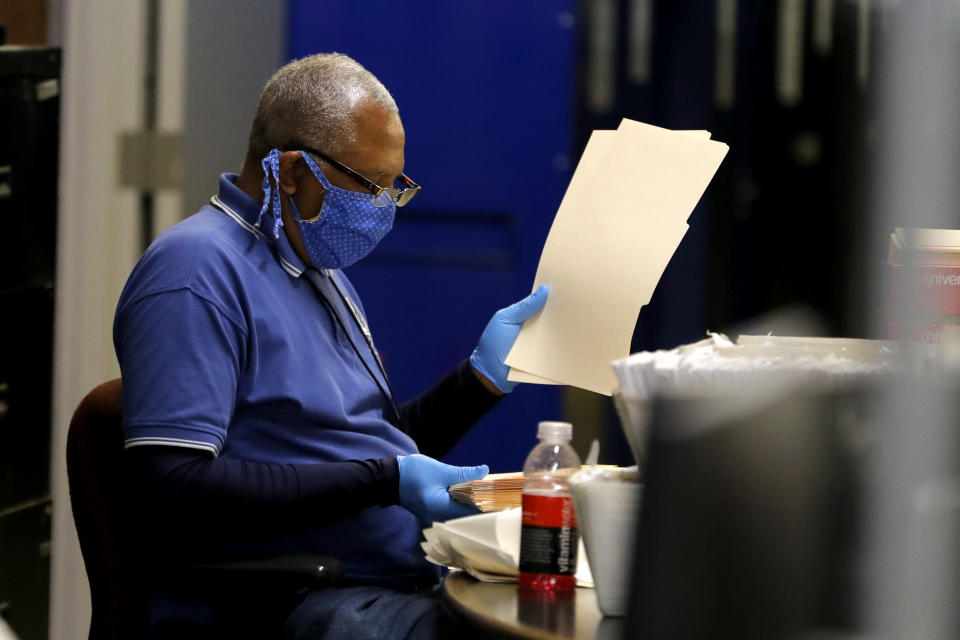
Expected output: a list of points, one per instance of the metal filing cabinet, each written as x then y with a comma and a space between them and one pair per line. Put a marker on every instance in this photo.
29, 134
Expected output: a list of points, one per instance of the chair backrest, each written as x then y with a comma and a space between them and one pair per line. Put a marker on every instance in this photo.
106, 518
97, 495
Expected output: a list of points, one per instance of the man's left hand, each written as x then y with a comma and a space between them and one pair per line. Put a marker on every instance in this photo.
500, 334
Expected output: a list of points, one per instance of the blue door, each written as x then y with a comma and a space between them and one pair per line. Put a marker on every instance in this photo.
486, 92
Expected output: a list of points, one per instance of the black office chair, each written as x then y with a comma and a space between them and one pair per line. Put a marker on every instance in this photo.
120, 579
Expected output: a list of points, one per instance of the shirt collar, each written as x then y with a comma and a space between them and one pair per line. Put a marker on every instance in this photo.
245, 211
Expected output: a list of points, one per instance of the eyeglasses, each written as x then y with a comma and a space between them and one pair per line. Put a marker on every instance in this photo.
382, 196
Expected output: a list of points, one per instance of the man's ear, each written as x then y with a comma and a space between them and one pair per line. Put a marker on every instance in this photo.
292, 167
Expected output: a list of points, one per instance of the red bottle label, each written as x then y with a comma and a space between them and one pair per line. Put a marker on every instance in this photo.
548, 538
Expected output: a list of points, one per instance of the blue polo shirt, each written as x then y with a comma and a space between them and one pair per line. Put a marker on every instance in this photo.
227, 344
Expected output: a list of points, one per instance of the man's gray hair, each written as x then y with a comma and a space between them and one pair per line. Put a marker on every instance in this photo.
311, 101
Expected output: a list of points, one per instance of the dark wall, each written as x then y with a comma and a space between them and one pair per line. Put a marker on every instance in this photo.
782, 224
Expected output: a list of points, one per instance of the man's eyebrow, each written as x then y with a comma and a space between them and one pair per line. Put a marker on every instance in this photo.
373, 175
380, 173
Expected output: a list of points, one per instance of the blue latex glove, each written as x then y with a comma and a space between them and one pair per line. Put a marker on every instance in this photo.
498, 338
424, 483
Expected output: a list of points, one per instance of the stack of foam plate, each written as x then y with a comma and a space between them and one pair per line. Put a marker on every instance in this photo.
487, 546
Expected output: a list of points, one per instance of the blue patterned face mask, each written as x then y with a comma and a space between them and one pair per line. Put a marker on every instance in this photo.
349, 225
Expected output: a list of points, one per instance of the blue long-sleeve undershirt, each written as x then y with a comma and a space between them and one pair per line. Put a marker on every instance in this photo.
186, 489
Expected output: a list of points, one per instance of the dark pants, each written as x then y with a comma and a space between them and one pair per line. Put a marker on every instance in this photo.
377, 613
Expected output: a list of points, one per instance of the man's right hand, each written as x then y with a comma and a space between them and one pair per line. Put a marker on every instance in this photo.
423, 488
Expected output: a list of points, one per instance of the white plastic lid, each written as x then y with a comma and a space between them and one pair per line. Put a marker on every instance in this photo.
555, 430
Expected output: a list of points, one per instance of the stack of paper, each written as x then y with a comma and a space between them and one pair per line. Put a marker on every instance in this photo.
716, 368
623, 216
487, 546
494, 492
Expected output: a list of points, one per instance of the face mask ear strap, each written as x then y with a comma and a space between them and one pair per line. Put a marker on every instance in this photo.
317, 173
271, 192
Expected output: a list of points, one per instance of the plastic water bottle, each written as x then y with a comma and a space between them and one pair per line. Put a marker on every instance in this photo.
549, 538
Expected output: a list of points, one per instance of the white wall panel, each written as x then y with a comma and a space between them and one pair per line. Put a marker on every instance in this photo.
97, 247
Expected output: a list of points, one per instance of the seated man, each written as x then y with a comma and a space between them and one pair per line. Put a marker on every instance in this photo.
258, 418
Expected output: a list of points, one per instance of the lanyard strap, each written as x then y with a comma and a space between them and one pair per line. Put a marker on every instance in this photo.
361, 323
317, 279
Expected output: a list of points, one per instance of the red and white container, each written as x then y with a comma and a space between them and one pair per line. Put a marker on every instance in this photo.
923, 289
923, 285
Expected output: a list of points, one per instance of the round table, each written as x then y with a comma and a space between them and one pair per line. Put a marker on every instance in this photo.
499, 608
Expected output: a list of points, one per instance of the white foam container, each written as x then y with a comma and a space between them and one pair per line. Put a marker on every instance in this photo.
607, 503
